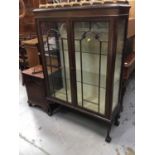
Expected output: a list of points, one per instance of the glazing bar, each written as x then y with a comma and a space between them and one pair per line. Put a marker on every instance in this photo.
99, 77
62, 44
50, 56
81, 72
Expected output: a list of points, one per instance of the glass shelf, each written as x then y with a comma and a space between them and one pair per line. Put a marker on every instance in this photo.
90, 52
95, 53
89, 78
64, 93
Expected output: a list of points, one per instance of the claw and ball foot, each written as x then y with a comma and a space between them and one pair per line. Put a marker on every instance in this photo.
30, 105
108, 139
116, 122
50, 112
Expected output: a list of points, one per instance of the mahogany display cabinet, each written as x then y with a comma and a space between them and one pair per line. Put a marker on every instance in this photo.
82, 49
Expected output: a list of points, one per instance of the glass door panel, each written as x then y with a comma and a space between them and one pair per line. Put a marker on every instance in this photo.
91, 45
54, 37
118, 61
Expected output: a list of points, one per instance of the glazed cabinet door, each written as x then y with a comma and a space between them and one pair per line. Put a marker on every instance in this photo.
56, 58
91, 47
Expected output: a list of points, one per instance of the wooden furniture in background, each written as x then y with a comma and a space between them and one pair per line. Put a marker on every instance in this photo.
129, 65
27, 56
131, 27
27, 23
35, 87
132, 10
129, 61
31, 47
22, 9
23, 62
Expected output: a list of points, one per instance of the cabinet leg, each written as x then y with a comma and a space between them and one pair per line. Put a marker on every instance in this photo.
49, 112
121, 108
122, 95
116, 121
29, 103
108, 138
51, 109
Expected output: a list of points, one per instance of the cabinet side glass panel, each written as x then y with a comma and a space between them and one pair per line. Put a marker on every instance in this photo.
118, 61
91, 45
55, 45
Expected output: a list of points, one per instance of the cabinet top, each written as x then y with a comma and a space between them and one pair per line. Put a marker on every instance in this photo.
35, 71
84, 10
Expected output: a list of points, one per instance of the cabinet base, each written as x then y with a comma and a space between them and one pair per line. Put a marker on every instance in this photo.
48, 108
45, 108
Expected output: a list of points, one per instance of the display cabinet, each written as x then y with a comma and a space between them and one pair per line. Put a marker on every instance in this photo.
82, 50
